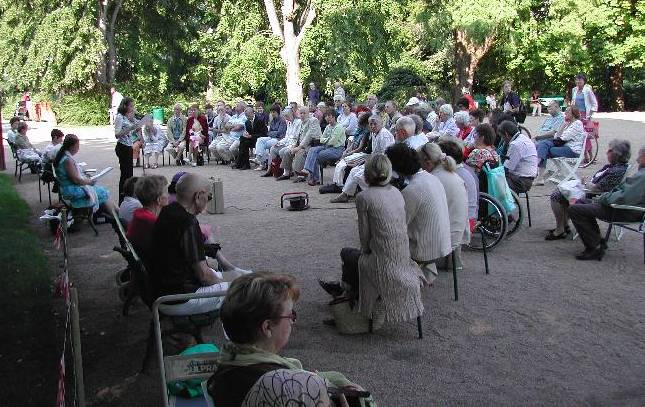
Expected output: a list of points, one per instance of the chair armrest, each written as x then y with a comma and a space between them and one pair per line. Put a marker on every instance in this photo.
628, 207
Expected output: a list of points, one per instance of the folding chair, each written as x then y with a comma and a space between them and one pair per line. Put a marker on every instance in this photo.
180, 367
633, 226
20, 165
564, 169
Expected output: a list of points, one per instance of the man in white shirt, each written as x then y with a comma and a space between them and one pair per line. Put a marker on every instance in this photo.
117, 97
521, 164
381, 139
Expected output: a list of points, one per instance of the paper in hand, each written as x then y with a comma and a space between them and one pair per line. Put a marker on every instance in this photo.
100, 174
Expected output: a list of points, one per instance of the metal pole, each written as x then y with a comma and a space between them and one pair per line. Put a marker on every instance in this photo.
3, 165
76, 350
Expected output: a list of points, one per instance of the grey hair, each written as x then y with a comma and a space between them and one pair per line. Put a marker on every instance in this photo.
375, 119
148, 189
418, 123
446, 109
378, 170
407, 124
178, 106
622, 148
431, 152
462, 117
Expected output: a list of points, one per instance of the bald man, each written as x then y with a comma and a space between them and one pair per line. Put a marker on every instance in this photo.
179, 266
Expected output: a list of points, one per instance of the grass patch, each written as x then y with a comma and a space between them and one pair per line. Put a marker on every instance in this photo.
29, 347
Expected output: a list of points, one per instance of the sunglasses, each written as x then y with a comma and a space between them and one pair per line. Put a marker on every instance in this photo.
292, 317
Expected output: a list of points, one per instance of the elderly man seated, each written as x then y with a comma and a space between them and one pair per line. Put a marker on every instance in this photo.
419, 138
584, 212
179, 264
290, 140
392, 115
551, 124
293, 158
521, 165
381, 139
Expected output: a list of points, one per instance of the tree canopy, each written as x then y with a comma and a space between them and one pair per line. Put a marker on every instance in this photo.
171, 50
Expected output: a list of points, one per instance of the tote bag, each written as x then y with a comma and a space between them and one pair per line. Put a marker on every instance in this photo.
498, 187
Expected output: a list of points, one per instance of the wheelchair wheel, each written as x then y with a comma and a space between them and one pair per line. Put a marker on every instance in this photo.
516, 218
590, 151
493, 221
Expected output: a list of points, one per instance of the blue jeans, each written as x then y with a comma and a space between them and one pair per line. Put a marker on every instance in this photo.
546, 149
318, 154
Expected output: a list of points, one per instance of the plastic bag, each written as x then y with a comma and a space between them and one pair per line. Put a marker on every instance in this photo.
572, 190
498, 187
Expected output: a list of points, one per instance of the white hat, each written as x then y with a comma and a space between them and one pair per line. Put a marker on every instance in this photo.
413, 101
338, 97
321, 104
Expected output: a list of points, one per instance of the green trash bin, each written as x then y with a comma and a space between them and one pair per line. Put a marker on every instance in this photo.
157, 115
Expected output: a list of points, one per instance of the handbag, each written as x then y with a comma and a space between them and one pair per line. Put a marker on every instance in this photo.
498, 187
275, 167
348, 320
572, 190
558, 142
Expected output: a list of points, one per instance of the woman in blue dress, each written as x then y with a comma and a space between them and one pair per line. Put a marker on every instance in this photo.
75, 188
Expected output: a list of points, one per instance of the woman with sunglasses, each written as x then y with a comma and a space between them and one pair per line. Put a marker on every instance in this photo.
258, 316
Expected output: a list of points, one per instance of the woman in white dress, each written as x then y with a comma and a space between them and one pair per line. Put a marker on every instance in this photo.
154, 142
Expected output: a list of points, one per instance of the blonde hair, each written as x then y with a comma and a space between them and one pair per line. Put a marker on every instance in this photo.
378, 170
431, 152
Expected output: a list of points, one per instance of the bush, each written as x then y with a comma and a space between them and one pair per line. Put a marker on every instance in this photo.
634, 94
82, 109
400, 84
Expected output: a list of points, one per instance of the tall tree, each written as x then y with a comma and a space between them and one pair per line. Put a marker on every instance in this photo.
290, 27
108, 14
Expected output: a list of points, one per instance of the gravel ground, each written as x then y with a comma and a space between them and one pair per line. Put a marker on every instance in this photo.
541, 329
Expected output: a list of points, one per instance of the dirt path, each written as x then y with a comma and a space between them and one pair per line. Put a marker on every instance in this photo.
542, 328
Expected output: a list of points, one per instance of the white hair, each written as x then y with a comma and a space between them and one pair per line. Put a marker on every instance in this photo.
461, 117
407, 124
446, 109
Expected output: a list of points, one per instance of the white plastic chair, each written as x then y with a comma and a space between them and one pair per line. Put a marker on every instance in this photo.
638, 227
182, 367
564, 169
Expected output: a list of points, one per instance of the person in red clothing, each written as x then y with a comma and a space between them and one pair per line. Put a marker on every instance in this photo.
462, 120
151, 191
195, 114
471, 102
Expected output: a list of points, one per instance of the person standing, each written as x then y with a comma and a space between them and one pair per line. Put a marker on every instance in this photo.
313, 96
126, 127
117, 97
339, 91
511, 102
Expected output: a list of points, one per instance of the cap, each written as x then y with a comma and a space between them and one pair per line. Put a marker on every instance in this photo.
413, 101
321, 104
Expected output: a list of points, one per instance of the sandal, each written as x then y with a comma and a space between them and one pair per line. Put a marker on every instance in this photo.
567, 230
155, 166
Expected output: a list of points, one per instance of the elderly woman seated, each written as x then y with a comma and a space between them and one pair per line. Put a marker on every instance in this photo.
426, 209
78, 190
355, 154
154, 142
381, 274
446, 125
24, 149
258, 316
152, 195
567, 142
604, 180
179, 263
444, 167
462, 120
293, 159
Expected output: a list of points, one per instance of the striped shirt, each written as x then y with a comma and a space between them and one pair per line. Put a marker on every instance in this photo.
522, 156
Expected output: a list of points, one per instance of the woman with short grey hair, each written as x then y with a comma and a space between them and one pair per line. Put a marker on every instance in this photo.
381, 275
604, 180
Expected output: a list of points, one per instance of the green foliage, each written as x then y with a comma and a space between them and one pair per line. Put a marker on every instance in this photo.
84, 109
400, 84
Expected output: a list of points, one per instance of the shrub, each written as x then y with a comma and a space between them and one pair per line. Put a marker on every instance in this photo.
400, 84
82, 109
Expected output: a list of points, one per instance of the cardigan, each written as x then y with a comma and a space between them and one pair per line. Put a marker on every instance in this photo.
389, 280
427, 216
457, 199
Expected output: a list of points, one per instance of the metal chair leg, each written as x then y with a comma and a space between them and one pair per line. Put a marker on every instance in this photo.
370, 326
608, 234
90, 219
419, 327
454, 275
40, 193
528, 207
481, 230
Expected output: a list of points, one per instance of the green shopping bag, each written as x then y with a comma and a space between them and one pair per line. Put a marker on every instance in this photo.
498, 187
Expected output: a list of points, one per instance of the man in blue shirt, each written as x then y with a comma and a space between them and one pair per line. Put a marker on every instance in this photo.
552, 123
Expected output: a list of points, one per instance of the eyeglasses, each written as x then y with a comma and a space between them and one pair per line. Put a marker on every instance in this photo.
292, 317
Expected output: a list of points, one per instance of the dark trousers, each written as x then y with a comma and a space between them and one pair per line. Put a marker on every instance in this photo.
246, 144
583, 215
124, 153
349, 257
518, 184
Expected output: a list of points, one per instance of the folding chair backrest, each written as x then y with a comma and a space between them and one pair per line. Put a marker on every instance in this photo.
565, 168
195, 366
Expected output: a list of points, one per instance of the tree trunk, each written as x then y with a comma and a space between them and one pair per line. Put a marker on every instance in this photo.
467, 56
111, 56
101, 69
616, 91
291, 58
108, 13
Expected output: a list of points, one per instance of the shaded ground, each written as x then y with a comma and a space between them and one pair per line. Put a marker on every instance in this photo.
542, 328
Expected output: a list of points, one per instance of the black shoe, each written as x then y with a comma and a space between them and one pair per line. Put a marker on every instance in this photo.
330, 189
329, 322
593, 254
332, 288
267, 174
567, 230
178, 162
603, 244
283, 177
553, 236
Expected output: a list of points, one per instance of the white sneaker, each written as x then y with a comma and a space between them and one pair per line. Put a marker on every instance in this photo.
193, 164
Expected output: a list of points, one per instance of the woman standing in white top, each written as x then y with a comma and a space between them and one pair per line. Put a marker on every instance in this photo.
348, 120
126, 128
